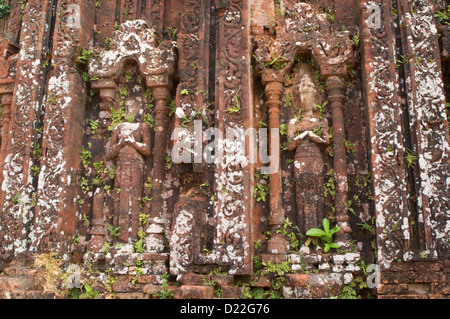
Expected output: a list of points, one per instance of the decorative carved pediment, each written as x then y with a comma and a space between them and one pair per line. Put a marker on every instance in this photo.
305, 31
136, 41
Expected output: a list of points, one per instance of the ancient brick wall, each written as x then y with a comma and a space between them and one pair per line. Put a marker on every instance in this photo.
224, 149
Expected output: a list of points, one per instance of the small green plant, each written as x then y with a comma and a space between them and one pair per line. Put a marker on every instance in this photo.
368, 227
294, 243
86, 156
4, 8
283, 129
84, 184
331, 16
277, 268
350, 147
278, 62
16, 199
35, 169
111, 172
330, 186
37, 151
279, 13
114, 231
139, 245
171, 104
85, 56
288, 100
299, 115
348, 292
94, 126
443, 16
149, 183
165, 292
236, 105
410, 158
106, 247
168, 161
325, 234
318, 130
86, 220
110, 281
51, 99
123, 91
355, 39
143, 218
404, 59
321, 108
261, 191
148, 118
23, 3
98, 166
89, 293
172, 31
117, 117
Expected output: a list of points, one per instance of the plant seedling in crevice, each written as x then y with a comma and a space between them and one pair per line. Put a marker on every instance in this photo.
326, 235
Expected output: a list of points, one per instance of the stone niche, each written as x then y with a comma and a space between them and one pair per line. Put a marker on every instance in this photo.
224, 149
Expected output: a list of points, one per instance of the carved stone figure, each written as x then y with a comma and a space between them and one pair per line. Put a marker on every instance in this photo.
130, 144
307, 133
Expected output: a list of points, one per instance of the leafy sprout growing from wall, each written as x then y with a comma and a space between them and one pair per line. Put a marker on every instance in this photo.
325, 235
4, 8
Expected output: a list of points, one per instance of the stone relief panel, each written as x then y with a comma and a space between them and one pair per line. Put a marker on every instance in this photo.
308, 136
356, 131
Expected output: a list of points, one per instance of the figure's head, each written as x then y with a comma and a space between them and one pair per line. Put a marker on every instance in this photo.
308, 95
133, 109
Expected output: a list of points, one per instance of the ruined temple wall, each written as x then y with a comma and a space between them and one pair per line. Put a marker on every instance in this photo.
384, 104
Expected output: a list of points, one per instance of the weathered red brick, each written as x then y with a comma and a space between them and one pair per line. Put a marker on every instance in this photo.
197, 292
130, 295
390, 289
297, 280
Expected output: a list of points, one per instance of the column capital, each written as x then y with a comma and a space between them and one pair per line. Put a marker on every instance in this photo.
274, 91
335, 87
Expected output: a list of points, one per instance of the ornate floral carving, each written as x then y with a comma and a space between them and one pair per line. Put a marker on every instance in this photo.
389, 172
232, 218
17, 184
58, 169
428, 125
135, 40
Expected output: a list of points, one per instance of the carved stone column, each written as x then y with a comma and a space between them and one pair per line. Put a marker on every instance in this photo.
18, 184
54, 224
333, 53
98, 229
156, 231
274, 91
107, 91
335, 88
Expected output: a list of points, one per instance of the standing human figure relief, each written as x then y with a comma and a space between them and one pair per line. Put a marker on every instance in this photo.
307, 135
130, 145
